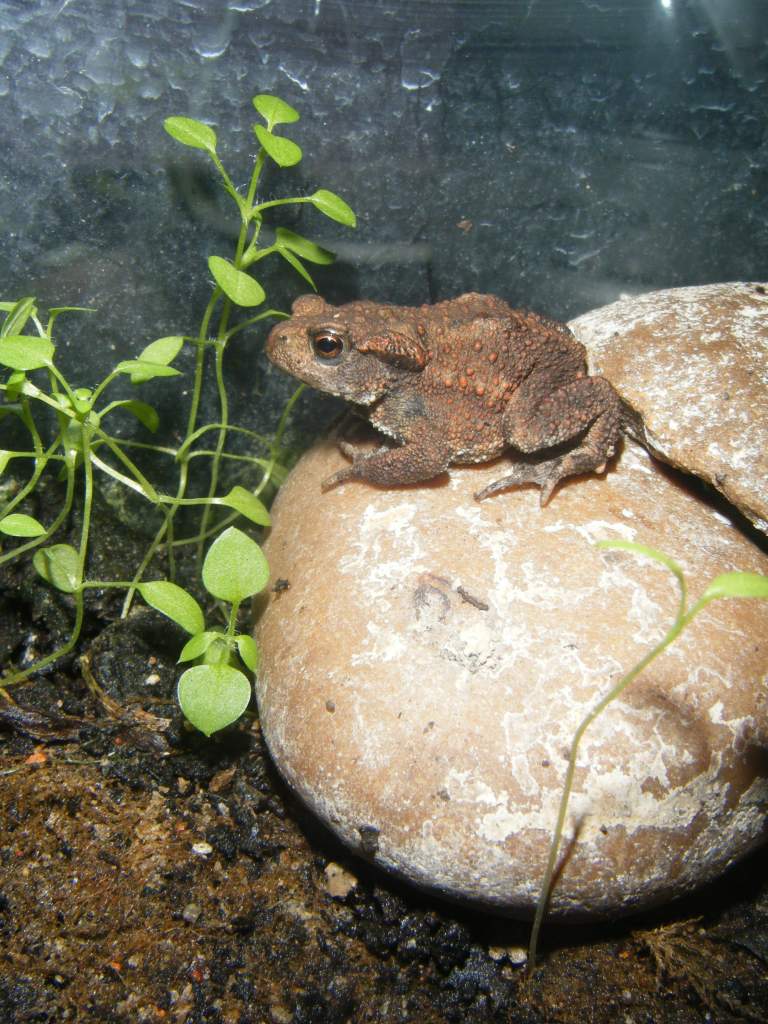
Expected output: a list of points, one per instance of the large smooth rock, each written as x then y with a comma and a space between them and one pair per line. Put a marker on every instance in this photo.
694, 363
425, 670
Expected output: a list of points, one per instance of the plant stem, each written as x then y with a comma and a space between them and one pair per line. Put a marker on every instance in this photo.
100, 388
82, 555
182, 452
41, 460
85, 531
166, 527
278, 439
682, 619
220, 440
254, 320
23, 674
221, 345
232, 619
148, 490
62, 515
202, 335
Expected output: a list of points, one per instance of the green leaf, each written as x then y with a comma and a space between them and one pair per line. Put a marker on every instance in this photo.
238, 286
246, 504
55, 310
173, 601
303, 247
143, 412
298, 266
59, 565
248, 651
141, 371
162, 351
737, 584
334, 207
18, 315
274, 110
190, 132
213, 696
21, 352
19, 525
14, 384
198, 644
219, 652
284, 152
81, 400
235, 567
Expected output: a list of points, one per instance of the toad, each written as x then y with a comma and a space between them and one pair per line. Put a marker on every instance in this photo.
460, 381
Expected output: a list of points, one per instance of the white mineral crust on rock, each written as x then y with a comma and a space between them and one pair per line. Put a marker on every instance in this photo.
694, 363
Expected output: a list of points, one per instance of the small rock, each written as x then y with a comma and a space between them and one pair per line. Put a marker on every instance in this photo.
202, 849
280, 1014
191, 913
517, 955
339, 882
222, 780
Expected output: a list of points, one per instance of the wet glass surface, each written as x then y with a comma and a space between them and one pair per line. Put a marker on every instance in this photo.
558, 153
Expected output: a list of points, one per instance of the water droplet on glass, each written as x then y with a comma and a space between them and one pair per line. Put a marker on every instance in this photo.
39, 47
150, 89
137, 53
417, 70
247, 6
299, 76
213, 38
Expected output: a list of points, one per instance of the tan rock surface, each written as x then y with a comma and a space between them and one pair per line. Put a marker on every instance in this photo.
423, 676
694, 362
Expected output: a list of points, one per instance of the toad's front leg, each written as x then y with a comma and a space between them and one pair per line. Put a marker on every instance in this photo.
425, 456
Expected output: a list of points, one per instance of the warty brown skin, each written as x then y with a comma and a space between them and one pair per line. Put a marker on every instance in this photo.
457, 382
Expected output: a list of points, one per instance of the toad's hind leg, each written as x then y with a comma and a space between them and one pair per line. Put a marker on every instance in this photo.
588, 406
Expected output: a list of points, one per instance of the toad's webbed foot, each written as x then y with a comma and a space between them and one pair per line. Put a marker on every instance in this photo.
388, 467
546, 475
357, 456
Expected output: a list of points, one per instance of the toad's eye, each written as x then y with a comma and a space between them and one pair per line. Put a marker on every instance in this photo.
327, 345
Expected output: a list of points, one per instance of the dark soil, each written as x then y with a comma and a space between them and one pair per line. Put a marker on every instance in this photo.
148, 874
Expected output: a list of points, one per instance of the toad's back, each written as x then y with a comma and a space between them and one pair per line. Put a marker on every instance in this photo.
479, 350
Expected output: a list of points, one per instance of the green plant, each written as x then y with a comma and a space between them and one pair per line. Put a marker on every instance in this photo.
73, 437
235, 287
215, 692
727, 585
80, 445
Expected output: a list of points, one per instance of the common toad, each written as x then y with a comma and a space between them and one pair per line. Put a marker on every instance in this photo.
457, 382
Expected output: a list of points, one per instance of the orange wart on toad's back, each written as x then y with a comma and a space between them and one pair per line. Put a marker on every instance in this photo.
460, 381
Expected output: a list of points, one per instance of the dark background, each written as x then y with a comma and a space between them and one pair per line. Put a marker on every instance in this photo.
558, 153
